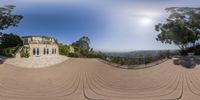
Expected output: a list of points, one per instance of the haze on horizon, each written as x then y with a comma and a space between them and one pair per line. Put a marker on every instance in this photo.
111, 25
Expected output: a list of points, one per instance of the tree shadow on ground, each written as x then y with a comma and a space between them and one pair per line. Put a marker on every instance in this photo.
187, 62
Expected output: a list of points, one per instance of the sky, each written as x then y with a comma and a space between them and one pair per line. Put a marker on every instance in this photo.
111, 25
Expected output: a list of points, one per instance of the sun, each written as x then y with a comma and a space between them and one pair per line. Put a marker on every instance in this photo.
146, 21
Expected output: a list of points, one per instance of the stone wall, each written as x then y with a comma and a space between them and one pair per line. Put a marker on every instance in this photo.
41, 49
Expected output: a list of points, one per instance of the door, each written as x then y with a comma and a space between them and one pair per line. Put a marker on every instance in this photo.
36, 51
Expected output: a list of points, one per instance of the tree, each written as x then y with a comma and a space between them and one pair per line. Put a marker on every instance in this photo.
181, 27
11, 40
82, 43
7, 19
63, 49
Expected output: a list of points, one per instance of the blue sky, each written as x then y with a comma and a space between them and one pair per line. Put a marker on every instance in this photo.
112, 25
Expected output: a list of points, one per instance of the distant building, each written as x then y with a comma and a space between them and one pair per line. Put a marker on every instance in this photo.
40, 45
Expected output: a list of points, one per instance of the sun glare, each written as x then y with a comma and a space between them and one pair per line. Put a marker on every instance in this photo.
146, 21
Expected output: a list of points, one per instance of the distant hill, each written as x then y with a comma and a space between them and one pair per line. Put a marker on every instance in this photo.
136, 54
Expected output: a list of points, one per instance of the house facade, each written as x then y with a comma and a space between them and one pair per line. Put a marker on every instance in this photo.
40, 45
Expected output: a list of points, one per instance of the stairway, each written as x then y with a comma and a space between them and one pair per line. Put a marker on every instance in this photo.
18, 52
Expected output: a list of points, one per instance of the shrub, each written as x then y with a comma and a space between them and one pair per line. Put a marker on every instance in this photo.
9, 52
63, 50
148, 59
11, 40
76, 55
25, 53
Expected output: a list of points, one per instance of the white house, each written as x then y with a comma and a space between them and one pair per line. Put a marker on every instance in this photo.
41, 45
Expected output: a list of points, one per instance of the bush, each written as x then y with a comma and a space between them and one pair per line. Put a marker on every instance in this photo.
148, 59
95, 55
25, 53
63, 50
11, 40
76, 55
9, 52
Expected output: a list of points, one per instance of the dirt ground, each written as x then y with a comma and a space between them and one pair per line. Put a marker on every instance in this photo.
90, 79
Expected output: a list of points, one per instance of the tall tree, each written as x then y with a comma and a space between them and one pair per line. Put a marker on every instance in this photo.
7, 19
181, 27
11, 40
82, 43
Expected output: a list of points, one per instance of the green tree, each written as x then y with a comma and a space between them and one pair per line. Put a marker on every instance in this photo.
63, 49
180, 28
11, 40
82, 48
7, 19
82, 43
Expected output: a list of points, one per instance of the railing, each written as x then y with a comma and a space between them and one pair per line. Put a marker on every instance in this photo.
18, 50
39, 42
137, 63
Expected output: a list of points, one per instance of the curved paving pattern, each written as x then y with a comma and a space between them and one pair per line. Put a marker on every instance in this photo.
90, 79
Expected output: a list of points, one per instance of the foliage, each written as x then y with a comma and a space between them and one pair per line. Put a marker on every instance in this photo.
11, 40
64, 50
7, 19
25, 53
76, 55
84, 52
10, 44
195, 50
138, 61
82, 43
148, 59
181, 27
164, 54
81, 48
9, 52
94, 54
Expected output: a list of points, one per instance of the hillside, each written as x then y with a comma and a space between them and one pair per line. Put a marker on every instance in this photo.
137, 54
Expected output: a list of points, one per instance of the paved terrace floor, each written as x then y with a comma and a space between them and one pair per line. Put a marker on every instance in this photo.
36, 62
90, 79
